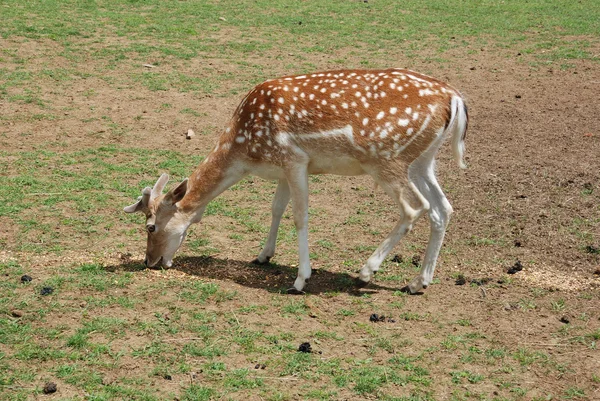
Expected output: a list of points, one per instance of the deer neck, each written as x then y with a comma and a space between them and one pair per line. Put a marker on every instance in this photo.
218, 172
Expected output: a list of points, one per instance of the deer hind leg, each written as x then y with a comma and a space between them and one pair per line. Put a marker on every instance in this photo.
423, 174
280, 202
406, 196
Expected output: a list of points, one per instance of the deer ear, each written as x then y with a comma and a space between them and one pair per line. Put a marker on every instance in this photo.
141, 204
177, 194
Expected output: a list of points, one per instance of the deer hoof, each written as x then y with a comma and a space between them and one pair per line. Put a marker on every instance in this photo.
360, 283
293, 291
258, 262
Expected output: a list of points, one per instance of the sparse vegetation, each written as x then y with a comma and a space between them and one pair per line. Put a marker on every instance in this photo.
88, 90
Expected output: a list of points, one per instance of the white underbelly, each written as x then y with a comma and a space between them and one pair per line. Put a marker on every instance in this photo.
317, 165
331, 164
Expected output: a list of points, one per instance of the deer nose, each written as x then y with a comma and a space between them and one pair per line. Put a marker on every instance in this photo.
151, 228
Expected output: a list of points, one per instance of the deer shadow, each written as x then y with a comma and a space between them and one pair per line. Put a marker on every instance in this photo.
271, 277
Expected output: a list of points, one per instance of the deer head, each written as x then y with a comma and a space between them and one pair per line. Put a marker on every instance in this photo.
166, 223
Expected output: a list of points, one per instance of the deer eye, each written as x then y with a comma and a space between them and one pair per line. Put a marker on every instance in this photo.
150, 228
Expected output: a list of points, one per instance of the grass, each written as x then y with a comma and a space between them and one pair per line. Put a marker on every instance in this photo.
114, 330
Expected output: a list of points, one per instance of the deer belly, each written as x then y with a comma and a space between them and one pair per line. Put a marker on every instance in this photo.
331, 164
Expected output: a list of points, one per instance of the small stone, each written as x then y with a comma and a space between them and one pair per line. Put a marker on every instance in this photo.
26, 279
257, 366
50, 388
46, 291
16, 313
305, 347
190, 134
222, 19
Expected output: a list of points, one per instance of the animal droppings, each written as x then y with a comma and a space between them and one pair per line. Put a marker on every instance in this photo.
305, 347
26, 279
416, 261
50, 388
46, 291
397, 259
517, 267
564, 320
376, 318
460, 280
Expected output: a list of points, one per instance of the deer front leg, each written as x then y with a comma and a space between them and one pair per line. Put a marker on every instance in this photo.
298, 185
280, 202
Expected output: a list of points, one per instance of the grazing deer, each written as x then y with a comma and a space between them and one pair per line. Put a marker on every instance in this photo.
385, 123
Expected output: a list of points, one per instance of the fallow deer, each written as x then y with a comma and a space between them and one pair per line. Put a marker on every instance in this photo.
386, 123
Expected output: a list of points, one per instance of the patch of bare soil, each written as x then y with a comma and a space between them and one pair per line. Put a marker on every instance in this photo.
531, 193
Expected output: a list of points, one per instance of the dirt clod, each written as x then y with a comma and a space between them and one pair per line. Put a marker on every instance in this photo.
517, 267
564, 320
16, 313
50, 388
305, 347
46, 291
26, 279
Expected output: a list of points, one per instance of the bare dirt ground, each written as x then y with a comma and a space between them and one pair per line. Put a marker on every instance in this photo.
531, 193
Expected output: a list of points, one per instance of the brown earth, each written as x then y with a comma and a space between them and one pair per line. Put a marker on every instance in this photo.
531, 193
